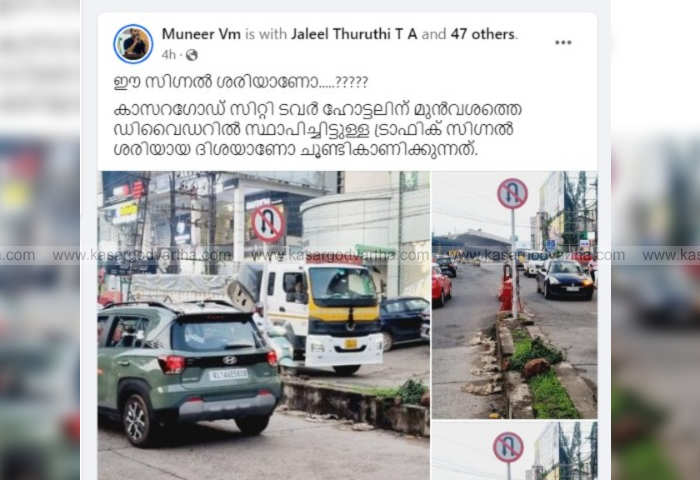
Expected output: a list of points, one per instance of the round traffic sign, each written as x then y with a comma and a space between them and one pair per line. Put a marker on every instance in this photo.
508, 447
268, 223
512, 193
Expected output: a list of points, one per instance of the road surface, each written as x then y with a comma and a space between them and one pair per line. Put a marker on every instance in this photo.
292, 447
570, 325
403, 362
472, 309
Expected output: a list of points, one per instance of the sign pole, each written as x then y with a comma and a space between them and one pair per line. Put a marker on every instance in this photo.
508, 470
514, 271
512, 193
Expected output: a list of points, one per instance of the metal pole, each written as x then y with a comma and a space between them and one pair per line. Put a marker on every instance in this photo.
514, 267
508, 470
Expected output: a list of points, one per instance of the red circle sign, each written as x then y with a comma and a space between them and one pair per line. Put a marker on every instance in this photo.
512, 193
508, 447
268, 223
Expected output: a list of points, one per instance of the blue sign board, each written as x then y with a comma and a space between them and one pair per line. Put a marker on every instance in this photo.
551, 245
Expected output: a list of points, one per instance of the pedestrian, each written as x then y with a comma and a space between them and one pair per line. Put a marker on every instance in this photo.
592, 268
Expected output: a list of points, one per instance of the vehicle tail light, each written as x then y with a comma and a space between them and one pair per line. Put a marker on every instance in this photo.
264, 391
272, 358
71, 427
195, 399
172, 364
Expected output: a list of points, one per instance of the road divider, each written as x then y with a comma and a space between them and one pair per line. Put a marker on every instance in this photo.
379, 408
538, 382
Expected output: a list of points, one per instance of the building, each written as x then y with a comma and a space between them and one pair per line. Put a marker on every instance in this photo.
568, 208
567, 451
383, 217
195, 222
473, 243
535, 473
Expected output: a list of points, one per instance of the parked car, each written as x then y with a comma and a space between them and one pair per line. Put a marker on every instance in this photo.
161, 364
564, 278
402, 319
425, 331
442, 286
447, 266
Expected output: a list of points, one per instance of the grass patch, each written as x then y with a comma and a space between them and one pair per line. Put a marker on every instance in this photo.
520, 335
550, 399
381, 392
526, 350
410, 392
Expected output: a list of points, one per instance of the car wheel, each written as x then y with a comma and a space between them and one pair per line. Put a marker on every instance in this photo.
346, 370
253, 425
138, 426
387, 341
547, 294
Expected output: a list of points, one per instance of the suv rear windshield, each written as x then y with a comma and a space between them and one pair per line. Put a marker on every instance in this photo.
342, 286
207, 333
444, 261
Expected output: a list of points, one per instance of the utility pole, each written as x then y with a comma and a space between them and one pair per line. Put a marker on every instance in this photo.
173, 265
212, 264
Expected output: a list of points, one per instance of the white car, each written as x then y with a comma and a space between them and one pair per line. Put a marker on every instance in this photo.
532, 266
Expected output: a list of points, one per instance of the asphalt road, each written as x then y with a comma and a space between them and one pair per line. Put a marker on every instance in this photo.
292, 447
571, 325
403, 362
472, 309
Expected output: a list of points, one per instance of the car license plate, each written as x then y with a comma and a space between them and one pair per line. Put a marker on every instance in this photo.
351, 343
572, 289
228, 374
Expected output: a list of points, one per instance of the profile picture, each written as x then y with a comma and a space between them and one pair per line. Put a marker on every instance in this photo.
133, 44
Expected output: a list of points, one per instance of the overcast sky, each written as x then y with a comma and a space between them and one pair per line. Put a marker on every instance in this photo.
464, 200
468, 448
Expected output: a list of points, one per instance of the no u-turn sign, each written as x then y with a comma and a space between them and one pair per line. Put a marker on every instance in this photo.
512, 193
268, 223
508, 447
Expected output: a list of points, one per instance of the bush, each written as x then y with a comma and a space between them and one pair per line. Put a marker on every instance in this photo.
526, 350
411, 392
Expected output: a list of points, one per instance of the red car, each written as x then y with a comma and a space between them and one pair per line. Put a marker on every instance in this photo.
442, 286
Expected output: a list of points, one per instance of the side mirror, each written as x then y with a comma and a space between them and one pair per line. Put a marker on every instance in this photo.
277, 331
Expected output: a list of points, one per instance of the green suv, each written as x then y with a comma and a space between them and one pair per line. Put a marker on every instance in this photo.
162, 364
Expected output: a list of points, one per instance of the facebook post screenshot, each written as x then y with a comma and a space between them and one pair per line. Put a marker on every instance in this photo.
353, 240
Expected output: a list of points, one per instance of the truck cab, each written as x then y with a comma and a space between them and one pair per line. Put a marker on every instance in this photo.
330, 311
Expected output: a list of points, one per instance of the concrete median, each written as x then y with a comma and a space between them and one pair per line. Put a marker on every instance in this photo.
521, 402
356, 406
